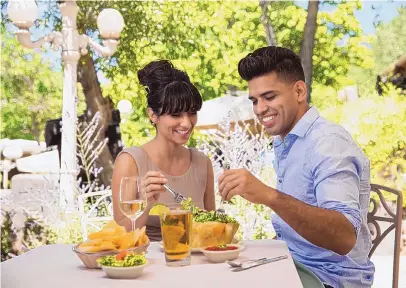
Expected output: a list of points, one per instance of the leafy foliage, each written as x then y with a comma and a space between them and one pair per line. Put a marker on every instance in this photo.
209, 50
378, 124
390, 41
388, 45
15, 241
207, 39
31, 91
8, 237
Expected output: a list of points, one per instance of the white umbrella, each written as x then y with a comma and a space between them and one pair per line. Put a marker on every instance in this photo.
215, 110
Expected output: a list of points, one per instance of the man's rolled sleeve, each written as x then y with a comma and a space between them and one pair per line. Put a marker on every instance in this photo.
336, 168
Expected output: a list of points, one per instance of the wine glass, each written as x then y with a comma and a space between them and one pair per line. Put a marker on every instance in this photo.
133, 199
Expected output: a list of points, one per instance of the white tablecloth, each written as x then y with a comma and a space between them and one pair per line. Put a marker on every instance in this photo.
57, 266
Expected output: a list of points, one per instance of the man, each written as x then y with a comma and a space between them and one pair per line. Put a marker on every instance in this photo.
323, 178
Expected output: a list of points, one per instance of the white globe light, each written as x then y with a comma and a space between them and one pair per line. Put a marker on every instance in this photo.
124, 106
110, 23
23, 13
13, 153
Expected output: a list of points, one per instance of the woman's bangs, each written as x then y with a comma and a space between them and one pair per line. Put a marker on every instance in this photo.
179, 98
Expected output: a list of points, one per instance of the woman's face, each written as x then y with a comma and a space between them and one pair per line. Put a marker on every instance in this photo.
176, 127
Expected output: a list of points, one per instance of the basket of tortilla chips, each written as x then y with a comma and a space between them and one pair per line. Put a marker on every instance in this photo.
210, 228
111, 240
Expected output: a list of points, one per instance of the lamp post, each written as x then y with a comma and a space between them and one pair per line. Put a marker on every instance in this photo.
23, 13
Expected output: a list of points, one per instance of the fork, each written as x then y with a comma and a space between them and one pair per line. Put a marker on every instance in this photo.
178, 197
259, 263
220, 209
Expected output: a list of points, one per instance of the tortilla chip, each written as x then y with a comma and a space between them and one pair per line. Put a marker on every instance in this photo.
140, 238
135, 236
126, 241
111, 224
212, 233
102, 234
114, 237
88, 249
106, 246
94, 242
120, 230
143, 240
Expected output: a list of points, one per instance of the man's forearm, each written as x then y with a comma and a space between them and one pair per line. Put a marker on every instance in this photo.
325, 228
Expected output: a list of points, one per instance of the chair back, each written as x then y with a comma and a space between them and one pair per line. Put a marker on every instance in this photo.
88, 211
393, 218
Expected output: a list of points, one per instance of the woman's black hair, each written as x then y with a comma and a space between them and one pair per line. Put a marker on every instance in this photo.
169, 90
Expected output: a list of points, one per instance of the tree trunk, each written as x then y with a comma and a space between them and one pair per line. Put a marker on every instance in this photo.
270, 35
97, 103
35, 127
307, 46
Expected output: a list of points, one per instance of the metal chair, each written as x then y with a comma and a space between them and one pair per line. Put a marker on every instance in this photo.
395, 218
89, 217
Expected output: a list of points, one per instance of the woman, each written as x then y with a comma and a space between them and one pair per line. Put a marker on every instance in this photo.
173, 102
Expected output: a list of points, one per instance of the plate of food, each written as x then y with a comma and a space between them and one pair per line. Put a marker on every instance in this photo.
209, 228
125, 265
111, 240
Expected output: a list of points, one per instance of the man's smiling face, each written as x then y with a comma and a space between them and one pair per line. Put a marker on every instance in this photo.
276, 102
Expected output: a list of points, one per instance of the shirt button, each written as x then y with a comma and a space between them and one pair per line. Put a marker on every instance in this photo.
279, 235
280, 180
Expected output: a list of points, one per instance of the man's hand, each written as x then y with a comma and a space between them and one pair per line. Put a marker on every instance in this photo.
243, 183
335, 232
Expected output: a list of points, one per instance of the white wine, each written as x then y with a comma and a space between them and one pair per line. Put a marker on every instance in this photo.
133, 208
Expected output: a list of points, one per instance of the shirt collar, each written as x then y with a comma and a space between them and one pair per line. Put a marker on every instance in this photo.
302, 126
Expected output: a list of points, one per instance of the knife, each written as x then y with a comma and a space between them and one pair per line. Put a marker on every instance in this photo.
259, 263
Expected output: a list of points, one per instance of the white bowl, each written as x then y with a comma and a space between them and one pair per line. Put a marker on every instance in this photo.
124, 272
199, 250
222, 256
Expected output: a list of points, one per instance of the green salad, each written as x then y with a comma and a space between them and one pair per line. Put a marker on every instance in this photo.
124, 259
201, 216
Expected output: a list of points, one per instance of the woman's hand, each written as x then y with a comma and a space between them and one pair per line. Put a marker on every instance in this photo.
153, 182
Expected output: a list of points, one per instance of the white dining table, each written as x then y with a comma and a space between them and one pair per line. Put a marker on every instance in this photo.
58, 266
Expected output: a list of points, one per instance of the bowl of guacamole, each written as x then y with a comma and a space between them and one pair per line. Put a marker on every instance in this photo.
125, 265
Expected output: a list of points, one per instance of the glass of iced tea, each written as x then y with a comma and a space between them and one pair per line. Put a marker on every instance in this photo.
176, 228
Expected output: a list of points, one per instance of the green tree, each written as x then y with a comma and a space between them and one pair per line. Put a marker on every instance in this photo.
390, 41
209, 50
378, 124
207, 39
307, 45
388, 45
31, 92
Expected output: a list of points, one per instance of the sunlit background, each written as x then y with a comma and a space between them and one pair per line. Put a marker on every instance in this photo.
358, 80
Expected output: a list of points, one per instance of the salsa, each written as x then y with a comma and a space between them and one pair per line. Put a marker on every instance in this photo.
221, 248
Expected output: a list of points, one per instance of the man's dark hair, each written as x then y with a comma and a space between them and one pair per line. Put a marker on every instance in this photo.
284, 62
